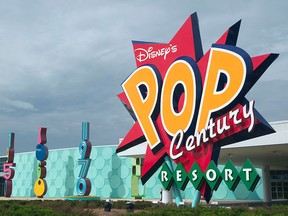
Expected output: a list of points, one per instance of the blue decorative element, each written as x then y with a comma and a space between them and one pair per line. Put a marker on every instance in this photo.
196, 199
85, 167
83, 186
176, 190
41, 152
85, 149
85, 130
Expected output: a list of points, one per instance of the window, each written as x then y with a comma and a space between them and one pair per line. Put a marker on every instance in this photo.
2, 182
279, 184
2, 161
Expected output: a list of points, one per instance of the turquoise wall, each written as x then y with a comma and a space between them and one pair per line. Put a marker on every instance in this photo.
109, 174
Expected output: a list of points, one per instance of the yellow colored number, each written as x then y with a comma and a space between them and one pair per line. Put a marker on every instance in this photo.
40, 187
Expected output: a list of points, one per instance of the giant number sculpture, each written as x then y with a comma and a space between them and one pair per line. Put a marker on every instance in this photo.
40, 186
83, 186
8, 171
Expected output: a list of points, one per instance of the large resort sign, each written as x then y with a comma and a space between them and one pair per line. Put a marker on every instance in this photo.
187, 104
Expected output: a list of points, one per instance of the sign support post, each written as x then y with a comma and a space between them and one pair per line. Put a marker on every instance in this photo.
196, 199
176, 190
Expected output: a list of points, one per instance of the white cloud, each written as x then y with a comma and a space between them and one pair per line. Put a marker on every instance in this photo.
14, 105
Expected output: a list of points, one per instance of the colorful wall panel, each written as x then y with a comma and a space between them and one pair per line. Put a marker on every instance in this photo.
109, 174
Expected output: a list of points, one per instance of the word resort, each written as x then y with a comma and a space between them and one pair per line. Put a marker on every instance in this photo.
212, 175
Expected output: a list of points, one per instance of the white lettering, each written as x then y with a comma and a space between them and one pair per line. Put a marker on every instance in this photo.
164, 176
213, 130
233, 114
202, 134
210, 127
178, 176
208, 175
175, 138
224, 127
249, 114
143, 54
194, 174
247, 171
190, 143
228, 174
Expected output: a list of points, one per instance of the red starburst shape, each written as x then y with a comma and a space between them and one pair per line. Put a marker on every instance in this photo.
234, 122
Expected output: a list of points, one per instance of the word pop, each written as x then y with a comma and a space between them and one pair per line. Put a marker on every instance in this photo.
184, 104
8, 171
40, 186
83, 186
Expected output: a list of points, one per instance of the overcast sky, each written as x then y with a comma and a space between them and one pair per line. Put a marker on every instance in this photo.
63, 62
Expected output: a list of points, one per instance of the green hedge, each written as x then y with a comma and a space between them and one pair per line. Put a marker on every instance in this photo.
274, 210
61, 208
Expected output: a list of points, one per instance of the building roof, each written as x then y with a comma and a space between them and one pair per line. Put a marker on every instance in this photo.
269, 150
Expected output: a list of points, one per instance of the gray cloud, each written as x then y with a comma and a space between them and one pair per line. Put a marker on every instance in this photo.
63, 62
270, 99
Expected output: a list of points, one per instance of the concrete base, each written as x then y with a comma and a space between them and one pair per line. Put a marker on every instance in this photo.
81, 198
166, 196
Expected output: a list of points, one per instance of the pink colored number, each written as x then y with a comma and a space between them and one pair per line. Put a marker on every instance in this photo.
9, 172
